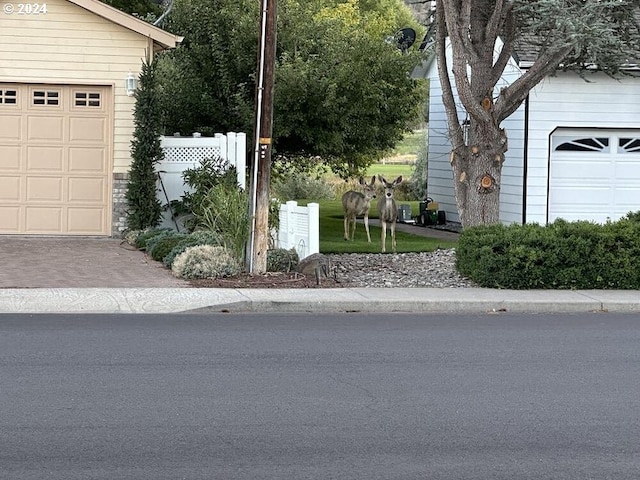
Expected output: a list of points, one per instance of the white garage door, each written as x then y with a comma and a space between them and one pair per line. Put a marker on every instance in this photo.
594, 175
54, 159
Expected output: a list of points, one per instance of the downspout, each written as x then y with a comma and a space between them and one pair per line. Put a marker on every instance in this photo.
525, 160
166, 12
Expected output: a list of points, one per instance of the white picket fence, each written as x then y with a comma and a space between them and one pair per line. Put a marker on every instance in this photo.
299, 228
182, 153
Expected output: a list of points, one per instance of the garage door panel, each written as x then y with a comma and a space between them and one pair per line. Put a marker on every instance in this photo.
10, 158
10, 188
55, 167
41, 189
10, 128
563, 169
87, 190
43, 219
85, 221
45, 129
10, 219
85, 130
87, 160
579, 195
45, 159
628, 170
628, 196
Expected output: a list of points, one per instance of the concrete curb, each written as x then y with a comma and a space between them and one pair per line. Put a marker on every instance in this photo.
409, 300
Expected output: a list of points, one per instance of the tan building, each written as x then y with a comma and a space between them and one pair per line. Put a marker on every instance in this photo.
66, 116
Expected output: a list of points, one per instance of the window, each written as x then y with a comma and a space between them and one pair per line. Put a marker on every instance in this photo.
629, 145
590, 144
46, 97
8, 97
88, 99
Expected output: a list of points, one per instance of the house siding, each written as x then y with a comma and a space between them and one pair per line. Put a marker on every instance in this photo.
567, 100
70, 45
440, 177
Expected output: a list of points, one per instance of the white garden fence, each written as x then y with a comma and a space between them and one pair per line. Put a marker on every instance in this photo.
182, 153
299, 228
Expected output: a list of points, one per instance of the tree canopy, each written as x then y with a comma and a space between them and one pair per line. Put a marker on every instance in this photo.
583, 35
140, 8
343, 92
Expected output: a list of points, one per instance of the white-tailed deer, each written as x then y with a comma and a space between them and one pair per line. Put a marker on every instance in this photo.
356, 204
388, 211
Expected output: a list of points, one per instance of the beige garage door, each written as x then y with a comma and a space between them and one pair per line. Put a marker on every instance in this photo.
54, 159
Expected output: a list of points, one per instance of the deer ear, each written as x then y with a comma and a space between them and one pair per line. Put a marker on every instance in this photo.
398, 180
373, 180
381, 178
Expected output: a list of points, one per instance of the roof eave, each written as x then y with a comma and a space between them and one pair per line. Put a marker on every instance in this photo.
161, 38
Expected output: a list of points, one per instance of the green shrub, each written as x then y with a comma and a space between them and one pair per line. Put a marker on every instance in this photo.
633, 216
209, 173
296, 187
225, 211
146, 235
163, 245
562, 255
151, 242
199, 237
205, 261
282, 260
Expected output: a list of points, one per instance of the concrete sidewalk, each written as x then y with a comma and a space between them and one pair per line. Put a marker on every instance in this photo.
409, 300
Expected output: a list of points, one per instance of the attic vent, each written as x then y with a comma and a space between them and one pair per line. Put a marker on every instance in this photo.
591, 144
46, 97
9, 97
629, 145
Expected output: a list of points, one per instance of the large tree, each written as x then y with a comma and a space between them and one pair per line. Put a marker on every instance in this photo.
342, 92
140, 8
568, 34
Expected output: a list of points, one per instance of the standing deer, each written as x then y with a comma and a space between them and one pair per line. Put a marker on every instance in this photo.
388, 211
356, 204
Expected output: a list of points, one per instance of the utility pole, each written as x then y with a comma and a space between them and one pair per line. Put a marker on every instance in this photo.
261, 165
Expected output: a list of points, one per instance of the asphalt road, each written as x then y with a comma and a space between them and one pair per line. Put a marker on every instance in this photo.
320, 397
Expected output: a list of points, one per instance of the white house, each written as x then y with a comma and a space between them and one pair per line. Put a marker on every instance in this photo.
574, 148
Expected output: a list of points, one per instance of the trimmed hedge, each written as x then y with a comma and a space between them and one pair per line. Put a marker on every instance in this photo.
563, 255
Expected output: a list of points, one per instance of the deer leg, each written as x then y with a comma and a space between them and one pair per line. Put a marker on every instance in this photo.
383, 237
366, 227
393, 236
346, 227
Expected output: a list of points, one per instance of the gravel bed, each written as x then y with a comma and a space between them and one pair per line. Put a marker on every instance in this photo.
434, 269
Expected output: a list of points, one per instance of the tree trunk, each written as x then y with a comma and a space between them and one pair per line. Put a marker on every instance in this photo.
477, 171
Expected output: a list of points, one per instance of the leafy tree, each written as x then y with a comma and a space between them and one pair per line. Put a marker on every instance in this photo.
342, 94
141, 8
568, 34
145, 209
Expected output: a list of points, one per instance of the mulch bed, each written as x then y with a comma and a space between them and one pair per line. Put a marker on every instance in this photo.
267, 280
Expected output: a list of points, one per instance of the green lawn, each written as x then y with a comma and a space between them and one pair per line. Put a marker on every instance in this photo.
390, 171
410, 144
332, 233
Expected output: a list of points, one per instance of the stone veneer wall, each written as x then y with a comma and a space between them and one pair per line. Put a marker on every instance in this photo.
119, 218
